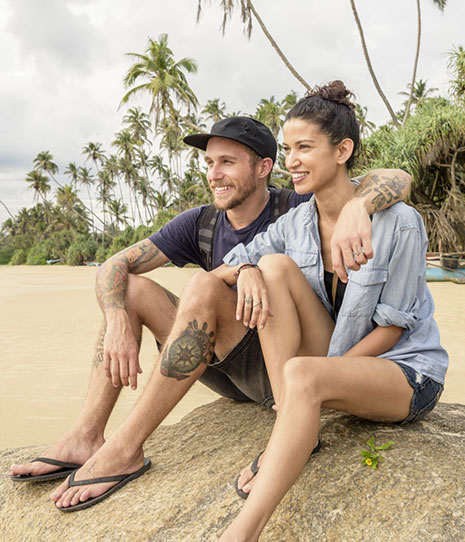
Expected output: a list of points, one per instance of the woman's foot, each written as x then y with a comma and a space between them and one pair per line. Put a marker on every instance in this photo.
108, 461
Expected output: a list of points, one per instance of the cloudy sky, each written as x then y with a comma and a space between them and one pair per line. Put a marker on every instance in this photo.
62, 63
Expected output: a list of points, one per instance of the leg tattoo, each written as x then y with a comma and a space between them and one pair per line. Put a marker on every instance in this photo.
98, 357
193, 347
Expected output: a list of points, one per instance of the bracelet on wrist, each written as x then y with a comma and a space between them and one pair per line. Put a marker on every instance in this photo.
245, 266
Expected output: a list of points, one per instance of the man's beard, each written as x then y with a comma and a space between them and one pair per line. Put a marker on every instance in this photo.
235, 201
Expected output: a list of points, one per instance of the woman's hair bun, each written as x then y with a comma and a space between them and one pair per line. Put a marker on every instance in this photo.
335, 91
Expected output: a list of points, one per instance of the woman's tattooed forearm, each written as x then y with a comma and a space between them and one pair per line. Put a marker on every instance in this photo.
193, 347
384, 191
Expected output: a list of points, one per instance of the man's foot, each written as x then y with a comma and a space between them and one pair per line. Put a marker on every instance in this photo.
72, 448
245, 481
106, 462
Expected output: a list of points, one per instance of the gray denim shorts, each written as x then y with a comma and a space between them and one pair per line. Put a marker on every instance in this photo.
242, 374
426, 393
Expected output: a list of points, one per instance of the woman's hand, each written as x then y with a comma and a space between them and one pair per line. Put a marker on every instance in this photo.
253, 306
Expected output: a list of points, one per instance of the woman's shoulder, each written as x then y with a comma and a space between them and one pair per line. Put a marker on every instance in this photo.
402, 214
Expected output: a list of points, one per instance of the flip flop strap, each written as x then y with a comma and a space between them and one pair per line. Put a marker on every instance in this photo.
57, 463
255, 468
117, 478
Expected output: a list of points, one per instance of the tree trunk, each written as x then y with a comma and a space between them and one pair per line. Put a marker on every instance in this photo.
276, 47
370, 67
415, 65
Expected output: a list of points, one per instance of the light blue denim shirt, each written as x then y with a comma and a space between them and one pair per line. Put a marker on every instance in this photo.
389, 290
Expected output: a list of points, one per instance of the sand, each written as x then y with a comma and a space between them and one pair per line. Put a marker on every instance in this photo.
48, 327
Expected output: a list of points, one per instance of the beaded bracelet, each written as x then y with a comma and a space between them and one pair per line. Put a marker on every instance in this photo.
245, 266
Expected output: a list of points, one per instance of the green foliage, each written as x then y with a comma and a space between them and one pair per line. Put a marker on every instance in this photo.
372, 457
82, 249
162, 218
19, 257
101, 254
6, 254
38, 255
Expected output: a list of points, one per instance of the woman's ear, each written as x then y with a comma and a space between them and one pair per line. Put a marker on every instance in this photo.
344, 150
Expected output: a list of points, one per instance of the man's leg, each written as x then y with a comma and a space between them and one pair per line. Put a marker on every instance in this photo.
147, 303
205, 323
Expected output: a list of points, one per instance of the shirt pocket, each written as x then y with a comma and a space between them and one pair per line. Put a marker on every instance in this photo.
302, 258
363, 292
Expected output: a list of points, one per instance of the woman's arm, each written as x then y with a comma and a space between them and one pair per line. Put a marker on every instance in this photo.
378, 341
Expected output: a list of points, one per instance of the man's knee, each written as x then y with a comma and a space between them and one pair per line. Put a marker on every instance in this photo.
205, 289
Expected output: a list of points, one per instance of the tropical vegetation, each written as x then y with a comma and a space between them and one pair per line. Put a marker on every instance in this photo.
111, 198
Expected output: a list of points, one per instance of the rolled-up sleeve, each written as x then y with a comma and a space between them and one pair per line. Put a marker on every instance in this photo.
398, 304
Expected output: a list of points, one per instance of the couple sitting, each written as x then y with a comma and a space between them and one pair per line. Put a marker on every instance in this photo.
293, 336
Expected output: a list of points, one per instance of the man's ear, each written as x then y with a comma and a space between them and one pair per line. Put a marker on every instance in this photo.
344, 150
265, 166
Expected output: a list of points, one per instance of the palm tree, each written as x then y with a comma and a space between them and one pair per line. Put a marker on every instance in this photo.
271, 113
247, 11
43, 162
118, 210
456, 65
85, 178
214, 110
39, 183
420, 93
95, 153
365, 124
164, 80
370, 67
441, 4
73, 173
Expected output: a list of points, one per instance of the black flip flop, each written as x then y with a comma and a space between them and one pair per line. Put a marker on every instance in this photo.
65, 470
255, 468
123, 479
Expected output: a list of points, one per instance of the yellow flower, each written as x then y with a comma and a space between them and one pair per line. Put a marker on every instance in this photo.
368, 461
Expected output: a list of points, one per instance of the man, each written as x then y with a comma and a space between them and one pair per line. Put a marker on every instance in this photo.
240, 153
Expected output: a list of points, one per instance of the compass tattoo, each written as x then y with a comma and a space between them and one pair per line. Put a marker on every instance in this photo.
193, 347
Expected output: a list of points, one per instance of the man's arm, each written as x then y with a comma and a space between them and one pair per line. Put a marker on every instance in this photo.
121, 349
351, 242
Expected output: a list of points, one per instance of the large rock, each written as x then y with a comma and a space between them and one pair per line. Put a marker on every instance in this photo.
417, 494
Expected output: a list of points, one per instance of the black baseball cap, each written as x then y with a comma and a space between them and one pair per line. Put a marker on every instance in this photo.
250, 132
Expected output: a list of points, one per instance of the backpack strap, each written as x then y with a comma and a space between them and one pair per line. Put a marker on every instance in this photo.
206, 227
208, 222
279, 201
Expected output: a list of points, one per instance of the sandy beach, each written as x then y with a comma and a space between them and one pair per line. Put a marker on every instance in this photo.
49, 321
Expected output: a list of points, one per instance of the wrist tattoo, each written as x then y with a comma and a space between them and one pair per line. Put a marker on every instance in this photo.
384, 191
193, 347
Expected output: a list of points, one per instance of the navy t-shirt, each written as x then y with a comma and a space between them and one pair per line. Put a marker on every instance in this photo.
178, 239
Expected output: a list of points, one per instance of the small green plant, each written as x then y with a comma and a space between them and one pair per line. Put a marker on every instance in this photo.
372, 457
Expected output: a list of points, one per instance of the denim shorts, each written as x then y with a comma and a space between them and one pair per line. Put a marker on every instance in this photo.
426, 393
242, 374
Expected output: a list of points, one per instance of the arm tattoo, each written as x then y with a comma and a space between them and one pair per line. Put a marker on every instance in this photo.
113, 275
193, 347
380, 192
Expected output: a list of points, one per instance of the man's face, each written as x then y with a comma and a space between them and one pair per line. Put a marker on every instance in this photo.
231, 174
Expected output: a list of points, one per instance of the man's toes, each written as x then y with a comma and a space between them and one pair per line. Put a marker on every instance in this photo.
57, 494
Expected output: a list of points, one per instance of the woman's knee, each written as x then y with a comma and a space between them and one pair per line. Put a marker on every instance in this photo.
277, 265
301, 377
204, 288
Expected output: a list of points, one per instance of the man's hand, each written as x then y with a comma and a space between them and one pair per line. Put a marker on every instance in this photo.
121, 351
351, 240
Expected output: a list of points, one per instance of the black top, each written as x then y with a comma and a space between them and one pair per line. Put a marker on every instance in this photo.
340, 291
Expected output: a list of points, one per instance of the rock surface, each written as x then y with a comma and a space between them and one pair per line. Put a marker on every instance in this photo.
417, 494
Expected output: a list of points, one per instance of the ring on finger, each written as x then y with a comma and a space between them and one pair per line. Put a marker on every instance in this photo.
248, 300
257, 304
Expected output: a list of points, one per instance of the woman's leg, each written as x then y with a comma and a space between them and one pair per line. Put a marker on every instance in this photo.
372, 388
300, 325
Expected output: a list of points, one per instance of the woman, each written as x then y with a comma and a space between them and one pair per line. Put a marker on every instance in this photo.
369, 347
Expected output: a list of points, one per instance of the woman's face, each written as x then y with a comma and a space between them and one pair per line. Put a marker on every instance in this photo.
310, 157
